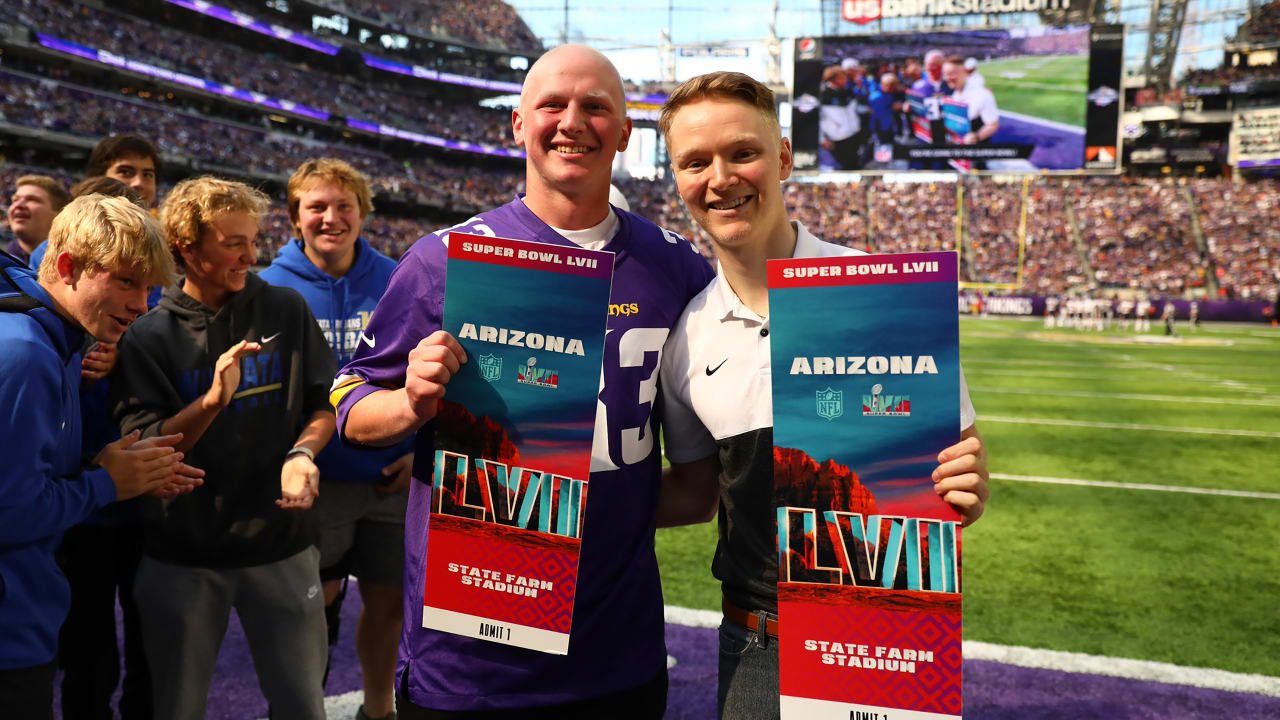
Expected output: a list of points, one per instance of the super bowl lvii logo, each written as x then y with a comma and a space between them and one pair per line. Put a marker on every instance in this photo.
878, 404
491, 367
528, 374
830, 404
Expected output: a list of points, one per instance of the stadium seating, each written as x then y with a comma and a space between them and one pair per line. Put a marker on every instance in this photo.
1136, 234
1052, 263
390, 235
1239, 227
912, 218
484, 22
1223, 75
1263, 26
172, 48
63, 107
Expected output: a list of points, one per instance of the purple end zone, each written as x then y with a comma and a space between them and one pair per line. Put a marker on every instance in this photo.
1005, 692
1057, 148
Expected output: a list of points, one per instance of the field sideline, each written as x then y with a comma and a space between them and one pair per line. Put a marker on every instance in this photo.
1135, 509
1052, 88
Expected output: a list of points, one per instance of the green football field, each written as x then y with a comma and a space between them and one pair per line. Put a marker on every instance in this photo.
1052, 88
1169, 550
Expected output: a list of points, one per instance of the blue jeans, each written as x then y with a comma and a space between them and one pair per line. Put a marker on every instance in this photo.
748, 688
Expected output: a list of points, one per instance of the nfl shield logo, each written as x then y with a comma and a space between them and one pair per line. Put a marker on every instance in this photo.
490, 367
830, 404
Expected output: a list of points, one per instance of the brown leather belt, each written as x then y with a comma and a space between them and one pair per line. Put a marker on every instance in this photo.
747, 619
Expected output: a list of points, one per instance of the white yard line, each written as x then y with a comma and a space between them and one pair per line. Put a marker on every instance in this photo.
1132, 365
1128, 426
1237, 385
1131, 396
1046, 123
690, 617
1137, 486
1147, 670
1065, 661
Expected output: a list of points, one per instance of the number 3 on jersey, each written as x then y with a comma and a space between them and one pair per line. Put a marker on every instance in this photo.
628, 439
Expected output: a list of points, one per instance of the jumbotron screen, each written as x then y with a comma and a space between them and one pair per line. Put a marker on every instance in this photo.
1007, 100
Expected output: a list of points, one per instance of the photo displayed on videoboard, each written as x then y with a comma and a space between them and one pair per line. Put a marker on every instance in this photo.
1004, 100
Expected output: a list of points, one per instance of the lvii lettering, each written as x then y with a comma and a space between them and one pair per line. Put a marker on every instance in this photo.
884, 552
517, 497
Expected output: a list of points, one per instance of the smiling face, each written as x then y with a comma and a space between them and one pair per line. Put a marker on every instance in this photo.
571, 121
729, 163
329, 222
137, 172
31, 214
954, 75
105, 302
218, 263
933, 66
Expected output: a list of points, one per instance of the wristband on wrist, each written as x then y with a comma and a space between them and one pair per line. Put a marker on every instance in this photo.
301, 450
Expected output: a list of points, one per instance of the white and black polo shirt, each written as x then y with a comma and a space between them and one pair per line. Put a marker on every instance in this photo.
717, 398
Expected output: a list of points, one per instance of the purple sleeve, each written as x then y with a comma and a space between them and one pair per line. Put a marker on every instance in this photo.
410, 310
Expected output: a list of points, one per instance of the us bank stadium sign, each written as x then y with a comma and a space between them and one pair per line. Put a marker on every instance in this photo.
865, 11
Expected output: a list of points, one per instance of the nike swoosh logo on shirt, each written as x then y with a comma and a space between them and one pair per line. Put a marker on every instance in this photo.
712, 370
266, 340
367, 339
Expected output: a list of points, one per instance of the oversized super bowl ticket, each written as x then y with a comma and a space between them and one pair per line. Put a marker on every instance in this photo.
942, 115
866, 393
513, 439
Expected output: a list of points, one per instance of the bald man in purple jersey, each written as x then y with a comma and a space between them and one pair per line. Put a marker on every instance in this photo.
571, 121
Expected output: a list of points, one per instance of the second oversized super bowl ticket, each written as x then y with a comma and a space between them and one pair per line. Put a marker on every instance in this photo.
865, 355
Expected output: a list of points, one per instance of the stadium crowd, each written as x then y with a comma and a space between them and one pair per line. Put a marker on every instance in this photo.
169, 47
390, 235
915, 217
991, 220
1239, 227
1138, 235
1051, 264
1230, 74
236, 146
491, 23
837, 213
1263, 24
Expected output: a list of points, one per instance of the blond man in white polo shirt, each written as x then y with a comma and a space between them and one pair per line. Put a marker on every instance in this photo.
729, 160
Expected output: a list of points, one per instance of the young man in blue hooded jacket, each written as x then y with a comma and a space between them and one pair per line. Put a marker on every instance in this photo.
103, 255
360, 510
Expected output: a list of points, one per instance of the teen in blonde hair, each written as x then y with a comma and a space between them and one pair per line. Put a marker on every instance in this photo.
242, 370
192, 205
103, 253
103, 232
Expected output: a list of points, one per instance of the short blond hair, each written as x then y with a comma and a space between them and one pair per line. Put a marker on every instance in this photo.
724, 85
192, 205
58, 196
108, 233
332, 171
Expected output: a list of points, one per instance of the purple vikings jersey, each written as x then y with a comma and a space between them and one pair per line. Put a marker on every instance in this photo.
617, 638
